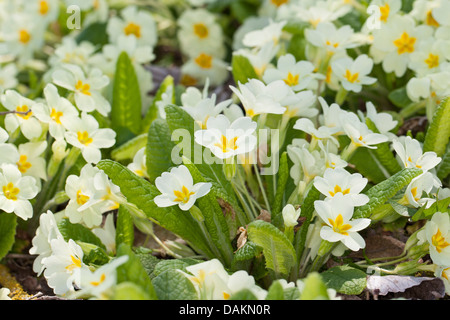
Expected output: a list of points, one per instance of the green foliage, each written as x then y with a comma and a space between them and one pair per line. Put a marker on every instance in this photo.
242, 69
78, 232
124, 227
8, 224
345, 279
126, 103
438, 133
173, 285
314, 288
385, 190
278, 250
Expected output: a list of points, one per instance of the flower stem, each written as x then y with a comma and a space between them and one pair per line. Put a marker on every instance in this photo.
261, 186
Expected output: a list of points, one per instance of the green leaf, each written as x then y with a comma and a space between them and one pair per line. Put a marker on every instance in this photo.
366, 162
297, 46
159, 149
78, 232
173, 264
133, 271
283, 176
385, 190
166, 87
124, 227
345, 279
242, 69
307, 211
126, 104
8, 224
399, 97
383, 152
275, 292
173, 285
129, 291
427, 213
314, 288
248, 251
214, 219
141, 193
278, 250
243, 295
94, 33
129, 149
438, 133
444, 167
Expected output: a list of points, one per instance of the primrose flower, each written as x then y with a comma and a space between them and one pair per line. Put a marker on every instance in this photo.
226, 139
205, 66
200, 31
258, 98
213, 282
269, 34
107, 233
133, 23
139, 164
24, 118
340, 181
382, 120
84, 133
31, 161
52, 111
290, 215
420, 184
177, 188
4, 294
362, 136
260, 58
71, 52
434, 86
297, 75
8, 77
430, 57
436, 233
443, 272
47, 231
337, 213
353, 73
99, 283
394, 43
87, 88
63, 266
411, 155
388, 8
321, 11
321, 133
17, 191
328, 37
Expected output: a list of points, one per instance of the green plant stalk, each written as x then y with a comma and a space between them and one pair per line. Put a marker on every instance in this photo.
261, 186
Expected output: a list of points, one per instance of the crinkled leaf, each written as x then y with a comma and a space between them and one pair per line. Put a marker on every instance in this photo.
126, 103
78, 232
133, 271
166, 87
124, 227
278, 250
141, 193
173, 285
444, 167
314, 288
173, 264
248, 251
345, 279
385, 190
8, 224
159, 149
438, 133
242, 69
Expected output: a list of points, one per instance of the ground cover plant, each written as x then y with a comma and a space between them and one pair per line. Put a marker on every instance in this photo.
224, 150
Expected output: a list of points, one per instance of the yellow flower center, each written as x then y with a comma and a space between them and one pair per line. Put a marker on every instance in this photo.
432, 61
405, 43
292, 80
100, 281
414, 193
339, 226
10, 192
133, 28
334, 45
84, 138
351, 77
56, 115
188, 81
81, 198
337, 189
438, 241
430, 20
24, 112
201, 30
384, 10
182, 196
83, 87
204, 61
23, 165
328, 76
227, 144
43, 7
279, 3
226, 295
76, 263
24, 36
